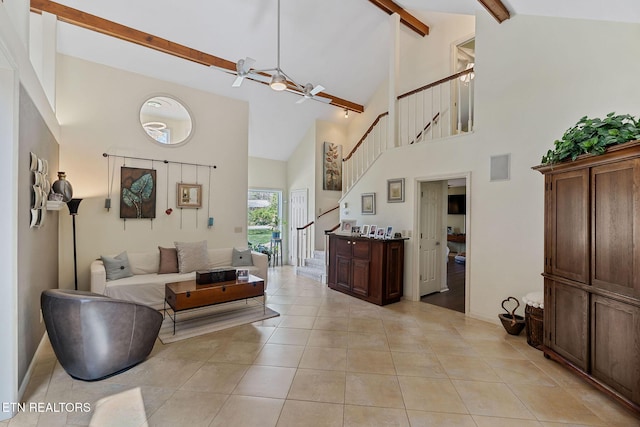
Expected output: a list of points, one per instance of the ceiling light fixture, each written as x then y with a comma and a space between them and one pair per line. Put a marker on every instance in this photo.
278, 82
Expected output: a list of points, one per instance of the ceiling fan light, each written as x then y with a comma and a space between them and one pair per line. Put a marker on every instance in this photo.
278, 82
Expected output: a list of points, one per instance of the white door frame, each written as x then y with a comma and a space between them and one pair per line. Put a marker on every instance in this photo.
415, 241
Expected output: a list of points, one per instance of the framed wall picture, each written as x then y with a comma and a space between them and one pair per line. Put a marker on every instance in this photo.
189, 196
332, 167
368, 203
137, 193
395, 190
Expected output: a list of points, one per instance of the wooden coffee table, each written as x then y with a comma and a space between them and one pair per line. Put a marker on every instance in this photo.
188, 295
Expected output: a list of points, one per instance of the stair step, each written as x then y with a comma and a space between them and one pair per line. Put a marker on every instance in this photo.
312, 273
319, 254
314, 262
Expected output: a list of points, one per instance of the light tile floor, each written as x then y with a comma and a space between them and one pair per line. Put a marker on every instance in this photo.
332, 360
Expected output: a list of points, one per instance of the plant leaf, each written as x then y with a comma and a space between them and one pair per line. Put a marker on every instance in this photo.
143, 186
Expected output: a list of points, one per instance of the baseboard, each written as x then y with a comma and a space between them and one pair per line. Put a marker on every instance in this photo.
27, 376
495, 320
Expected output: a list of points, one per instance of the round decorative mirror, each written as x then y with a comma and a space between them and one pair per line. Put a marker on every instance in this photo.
166, 120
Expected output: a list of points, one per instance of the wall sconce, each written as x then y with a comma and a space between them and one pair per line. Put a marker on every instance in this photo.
346, 113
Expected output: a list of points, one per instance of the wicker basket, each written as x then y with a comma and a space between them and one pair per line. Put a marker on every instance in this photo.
534, 319
512, 323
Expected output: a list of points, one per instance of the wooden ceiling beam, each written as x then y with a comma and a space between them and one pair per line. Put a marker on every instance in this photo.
103, 26
497, 9
405, 17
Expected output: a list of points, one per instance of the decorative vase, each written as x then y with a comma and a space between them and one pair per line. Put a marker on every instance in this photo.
63, 187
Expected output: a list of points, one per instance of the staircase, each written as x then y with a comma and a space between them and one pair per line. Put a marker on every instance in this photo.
435, 111
314, 268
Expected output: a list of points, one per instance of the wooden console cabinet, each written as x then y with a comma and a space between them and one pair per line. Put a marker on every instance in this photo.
369, 269
592, 269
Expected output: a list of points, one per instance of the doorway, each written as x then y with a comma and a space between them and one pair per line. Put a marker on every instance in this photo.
443, 251
264, 220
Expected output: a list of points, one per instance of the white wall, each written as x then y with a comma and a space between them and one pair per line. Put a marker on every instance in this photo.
98, 108
325, 199
359, 123
426, 59
267, 174
531, 86
16, 70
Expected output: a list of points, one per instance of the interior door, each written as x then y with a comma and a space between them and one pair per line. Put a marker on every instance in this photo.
431, 234
297, 218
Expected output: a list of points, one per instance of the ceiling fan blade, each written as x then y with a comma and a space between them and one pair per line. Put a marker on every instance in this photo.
238, 81
322, 99
248, 63
259, 77
301, 100
316, 90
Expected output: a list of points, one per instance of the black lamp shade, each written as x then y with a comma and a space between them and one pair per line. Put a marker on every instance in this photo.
73, 205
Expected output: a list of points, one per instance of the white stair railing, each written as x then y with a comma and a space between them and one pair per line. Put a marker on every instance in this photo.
365, 152
437, 110
304, 243
434, 111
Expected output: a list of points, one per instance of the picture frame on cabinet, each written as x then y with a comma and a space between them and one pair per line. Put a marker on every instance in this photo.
365, 230
380, 233
346, 226
389, 233
372, 230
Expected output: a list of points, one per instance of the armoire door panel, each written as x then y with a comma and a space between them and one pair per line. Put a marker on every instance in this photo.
614, 222
615, 344
570, 333
570, 225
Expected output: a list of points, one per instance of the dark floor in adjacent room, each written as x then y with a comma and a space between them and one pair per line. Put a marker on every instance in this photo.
452, 299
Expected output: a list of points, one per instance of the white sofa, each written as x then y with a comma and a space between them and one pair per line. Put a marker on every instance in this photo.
146, 286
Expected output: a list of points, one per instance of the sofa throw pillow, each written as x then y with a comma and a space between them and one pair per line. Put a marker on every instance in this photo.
117, 267
241, 258
192, 256
168, 260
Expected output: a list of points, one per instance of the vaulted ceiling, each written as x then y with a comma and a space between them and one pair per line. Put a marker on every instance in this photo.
342, 45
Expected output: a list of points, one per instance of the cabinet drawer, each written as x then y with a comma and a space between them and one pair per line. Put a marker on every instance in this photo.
361, 249
213, 295
343, 247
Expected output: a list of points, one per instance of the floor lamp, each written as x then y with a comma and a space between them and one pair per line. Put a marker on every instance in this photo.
73, 205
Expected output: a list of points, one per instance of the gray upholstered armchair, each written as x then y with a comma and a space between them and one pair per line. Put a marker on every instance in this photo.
94, 336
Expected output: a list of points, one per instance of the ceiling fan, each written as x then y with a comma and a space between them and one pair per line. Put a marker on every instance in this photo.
276, 78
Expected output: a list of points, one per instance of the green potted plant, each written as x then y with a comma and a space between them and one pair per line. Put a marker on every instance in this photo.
593, 136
